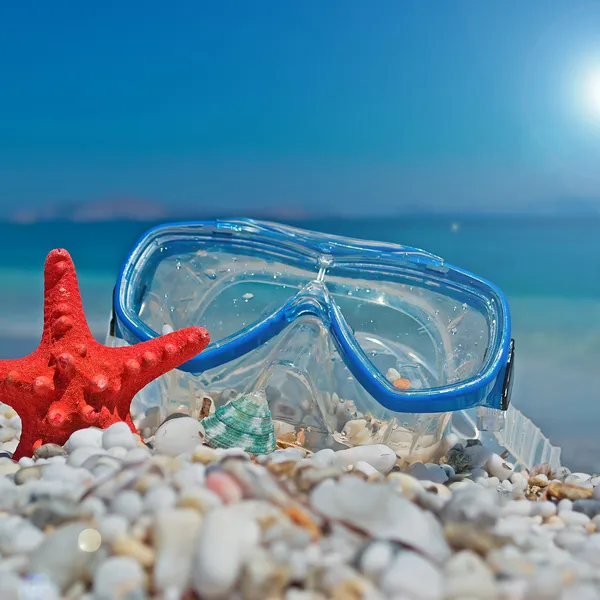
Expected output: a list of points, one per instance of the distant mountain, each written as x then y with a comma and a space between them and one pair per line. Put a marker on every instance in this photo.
125, 209
132, 209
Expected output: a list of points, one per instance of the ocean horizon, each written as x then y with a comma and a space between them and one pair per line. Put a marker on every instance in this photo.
548, 267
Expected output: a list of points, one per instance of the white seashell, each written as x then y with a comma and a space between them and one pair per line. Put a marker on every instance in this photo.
496, 466
378, 510
356, 432
377, 455
178, 435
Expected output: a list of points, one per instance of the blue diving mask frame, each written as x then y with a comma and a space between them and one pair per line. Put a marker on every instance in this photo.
419, 337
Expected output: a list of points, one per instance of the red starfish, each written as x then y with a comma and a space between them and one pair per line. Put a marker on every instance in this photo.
71, 381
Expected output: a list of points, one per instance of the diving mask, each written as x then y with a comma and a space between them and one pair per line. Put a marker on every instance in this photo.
353, 342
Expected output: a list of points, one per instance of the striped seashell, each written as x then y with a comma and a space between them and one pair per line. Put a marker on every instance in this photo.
244, 422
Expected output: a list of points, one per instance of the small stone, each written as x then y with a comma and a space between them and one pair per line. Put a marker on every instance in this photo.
375, 559
199, 498
29, 474
226, 539
458, 459
467, 576
118, 435
262, 578
118, 575
85, 438
175, 533
112, 527
130, 546
570, 540
589, 507
60, 556
478, 454
543, 509
8, 494
128, 503
366, 469
570, 517
559, 490
517, 507
160, 498
224, 485
79, 456
414, 576
472, 504
8, 466
49, 450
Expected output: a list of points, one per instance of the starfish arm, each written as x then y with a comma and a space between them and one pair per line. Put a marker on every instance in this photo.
63, 309
15, 384
148, 360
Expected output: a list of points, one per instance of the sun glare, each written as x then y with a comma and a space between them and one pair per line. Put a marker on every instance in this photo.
592, 92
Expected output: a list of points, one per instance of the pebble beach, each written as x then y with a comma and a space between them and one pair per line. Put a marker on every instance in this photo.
110, 516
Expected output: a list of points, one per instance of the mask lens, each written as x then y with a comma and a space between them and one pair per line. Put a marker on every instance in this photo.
416, 336
223, 286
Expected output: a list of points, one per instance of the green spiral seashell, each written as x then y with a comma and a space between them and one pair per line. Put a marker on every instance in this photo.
242, 423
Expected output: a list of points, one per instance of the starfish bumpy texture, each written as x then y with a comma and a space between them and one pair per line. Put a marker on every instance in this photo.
71, 381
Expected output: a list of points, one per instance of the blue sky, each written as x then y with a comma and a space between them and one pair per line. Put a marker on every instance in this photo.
337, 105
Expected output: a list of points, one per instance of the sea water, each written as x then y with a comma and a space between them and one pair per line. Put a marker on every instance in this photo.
548, 267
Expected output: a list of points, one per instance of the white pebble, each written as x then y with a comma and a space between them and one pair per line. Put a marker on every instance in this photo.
376, 558
414, 576
85, 438
78, 456
565, 505
570, 517
226, 538
159, 498
366, 468
517, 507
112, 527
128, 503
118, 452
175, 533
118, 434
544, 509
137, 455
116, 574
325, 457
7, 434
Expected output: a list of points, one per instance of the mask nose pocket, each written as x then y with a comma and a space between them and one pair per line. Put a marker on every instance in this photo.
296, 371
